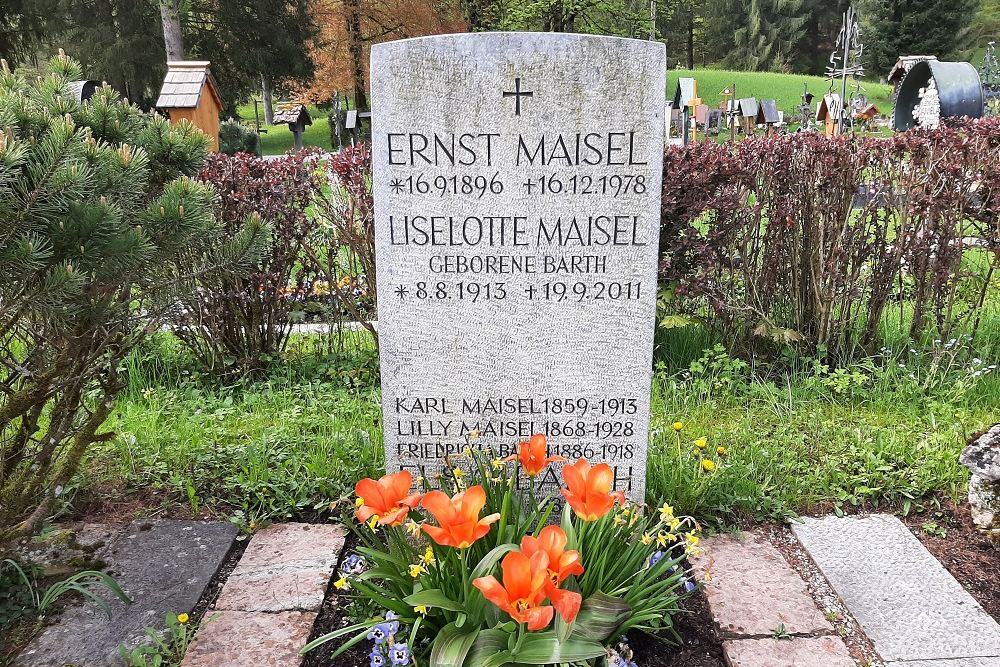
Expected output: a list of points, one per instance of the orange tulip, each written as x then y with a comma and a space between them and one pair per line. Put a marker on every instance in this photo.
552, 542
589, 489
523, 589
532, 455
458, 519
388, 499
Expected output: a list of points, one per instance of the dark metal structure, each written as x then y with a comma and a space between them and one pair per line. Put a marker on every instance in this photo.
845, 63
83, 90
959, 90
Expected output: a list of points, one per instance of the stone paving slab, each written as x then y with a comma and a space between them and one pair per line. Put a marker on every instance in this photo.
248, 638
294, 545
908, 604
165, 566
960, 662
797, 652
753, 590
286, 567
267, 607
275, 589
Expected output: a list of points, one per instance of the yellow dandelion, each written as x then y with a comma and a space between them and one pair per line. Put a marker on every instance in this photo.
182, 618
701, 443
708, 465
721, 451
678, 426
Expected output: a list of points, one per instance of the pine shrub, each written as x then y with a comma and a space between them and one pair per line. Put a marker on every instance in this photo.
102, 231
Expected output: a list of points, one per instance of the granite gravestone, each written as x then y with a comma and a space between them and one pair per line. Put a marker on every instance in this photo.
517, 183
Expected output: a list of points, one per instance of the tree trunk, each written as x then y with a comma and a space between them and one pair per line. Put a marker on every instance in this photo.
355, 46
173, 38
268, 99
690, 41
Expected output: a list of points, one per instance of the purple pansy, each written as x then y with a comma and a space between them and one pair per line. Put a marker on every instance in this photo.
399, 654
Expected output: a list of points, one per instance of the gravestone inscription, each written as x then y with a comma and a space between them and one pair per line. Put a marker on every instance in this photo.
517, 183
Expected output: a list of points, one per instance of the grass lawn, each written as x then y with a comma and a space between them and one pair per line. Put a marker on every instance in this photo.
785, 88
278, 138
795, 438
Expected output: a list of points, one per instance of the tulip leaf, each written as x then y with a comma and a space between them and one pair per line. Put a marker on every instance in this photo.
491, 559
600, 615
433, 597
489, 650
452, 645
544, 648
363, 627
567, 526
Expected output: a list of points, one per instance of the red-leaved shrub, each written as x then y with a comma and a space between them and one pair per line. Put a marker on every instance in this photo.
241, 323
810, 240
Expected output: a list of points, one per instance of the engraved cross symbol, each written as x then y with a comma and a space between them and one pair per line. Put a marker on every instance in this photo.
517, 94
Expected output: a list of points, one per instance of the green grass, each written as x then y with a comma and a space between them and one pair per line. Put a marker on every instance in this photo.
798, 438
785, 88
278, 139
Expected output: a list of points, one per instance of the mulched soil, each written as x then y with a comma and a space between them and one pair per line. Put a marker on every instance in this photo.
700, 648
971, 557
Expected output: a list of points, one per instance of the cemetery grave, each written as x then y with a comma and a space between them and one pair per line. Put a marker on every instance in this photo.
598, 408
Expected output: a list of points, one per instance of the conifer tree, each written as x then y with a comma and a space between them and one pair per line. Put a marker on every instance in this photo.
894, 28
755, 35
101, 232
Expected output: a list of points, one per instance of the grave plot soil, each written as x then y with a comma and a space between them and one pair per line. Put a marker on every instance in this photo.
694, 624
971, 557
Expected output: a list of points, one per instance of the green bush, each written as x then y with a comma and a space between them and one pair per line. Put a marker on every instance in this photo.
235, 138
102, 231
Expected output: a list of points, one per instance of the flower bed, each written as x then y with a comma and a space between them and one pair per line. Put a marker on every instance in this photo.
487, 577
